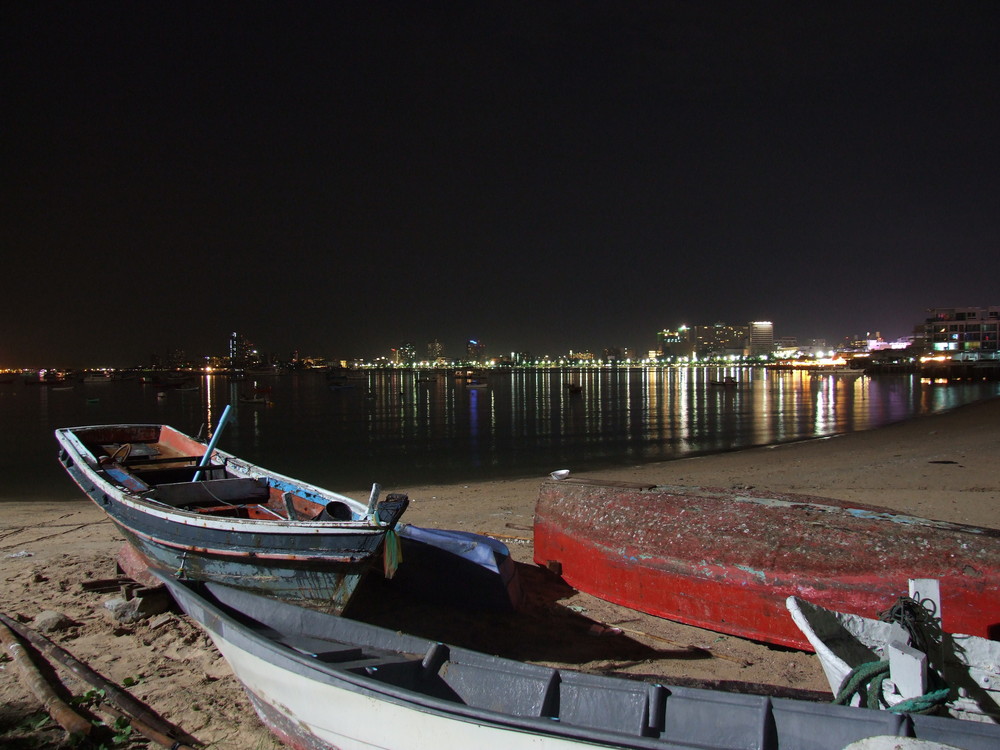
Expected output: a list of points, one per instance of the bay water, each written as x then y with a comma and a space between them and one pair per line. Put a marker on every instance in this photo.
403, 428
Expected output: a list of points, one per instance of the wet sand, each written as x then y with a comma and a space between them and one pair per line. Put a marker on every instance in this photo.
940, 466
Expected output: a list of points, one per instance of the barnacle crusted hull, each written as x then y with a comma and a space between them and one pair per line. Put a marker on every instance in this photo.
727, 560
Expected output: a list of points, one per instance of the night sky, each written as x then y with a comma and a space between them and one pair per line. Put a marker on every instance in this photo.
338, 178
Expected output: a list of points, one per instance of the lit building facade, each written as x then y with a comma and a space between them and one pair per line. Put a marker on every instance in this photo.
761, 338
676, 343
964, 333
239, 351
404, 354
619, 354
719, 339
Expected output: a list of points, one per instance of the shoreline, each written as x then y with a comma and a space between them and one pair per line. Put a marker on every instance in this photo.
938, 466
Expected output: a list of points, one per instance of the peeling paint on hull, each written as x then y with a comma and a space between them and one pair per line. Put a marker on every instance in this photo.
726, 560
321, 584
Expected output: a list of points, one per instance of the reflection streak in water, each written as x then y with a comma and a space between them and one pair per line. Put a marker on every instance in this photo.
398, 430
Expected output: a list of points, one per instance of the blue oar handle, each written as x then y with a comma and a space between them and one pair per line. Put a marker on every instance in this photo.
207, 458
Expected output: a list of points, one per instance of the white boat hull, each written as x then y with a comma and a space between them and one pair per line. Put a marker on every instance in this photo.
321, 682
351, 720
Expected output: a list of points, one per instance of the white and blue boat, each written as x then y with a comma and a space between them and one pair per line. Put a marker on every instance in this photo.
199, 513
320, 682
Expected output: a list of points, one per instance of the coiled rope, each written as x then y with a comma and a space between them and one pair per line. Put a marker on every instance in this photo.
866, 679
917, 619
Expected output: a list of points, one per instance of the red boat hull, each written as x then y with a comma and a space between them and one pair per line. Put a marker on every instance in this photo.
726, 560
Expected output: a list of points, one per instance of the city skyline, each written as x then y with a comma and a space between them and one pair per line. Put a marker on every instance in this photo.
243, 345
543, 177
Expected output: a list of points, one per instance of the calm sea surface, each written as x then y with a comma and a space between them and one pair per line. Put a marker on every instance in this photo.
401, 428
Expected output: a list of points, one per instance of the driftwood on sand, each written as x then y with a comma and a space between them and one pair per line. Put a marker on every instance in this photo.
57, 708
142, 718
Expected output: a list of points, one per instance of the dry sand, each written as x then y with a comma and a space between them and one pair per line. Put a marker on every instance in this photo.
941, 467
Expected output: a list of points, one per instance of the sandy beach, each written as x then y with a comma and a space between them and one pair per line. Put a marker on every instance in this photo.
940, 466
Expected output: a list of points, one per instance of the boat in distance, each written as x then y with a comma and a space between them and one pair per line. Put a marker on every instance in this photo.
727, 559
320, 682
201, 513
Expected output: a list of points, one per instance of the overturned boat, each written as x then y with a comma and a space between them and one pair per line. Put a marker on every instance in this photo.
727, 559
200, 513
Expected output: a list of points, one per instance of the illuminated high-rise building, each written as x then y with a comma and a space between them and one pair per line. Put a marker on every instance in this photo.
761, 339
677, 343
719, 339
239, 351
404, 354
476, 350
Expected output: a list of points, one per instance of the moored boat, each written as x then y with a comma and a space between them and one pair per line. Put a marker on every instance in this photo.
201, 513
342, 378
474, 378
726, 559
254, 398
727, 382
321, 682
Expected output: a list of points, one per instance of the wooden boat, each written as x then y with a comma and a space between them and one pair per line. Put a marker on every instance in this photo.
321, 682
204, 514
959, 672
726, 559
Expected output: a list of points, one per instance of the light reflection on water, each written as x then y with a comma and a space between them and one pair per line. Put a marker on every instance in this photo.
403, 428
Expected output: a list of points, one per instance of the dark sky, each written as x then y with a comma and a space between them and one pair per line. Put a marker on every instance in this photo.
543, 176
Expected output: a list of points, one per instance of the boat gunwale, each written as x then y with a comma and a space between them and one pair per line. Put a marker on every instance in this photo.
85, 463
547, 727
203, 606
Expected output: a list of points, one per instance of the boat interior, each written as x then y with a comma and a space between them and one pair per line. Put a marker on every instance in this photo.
180, 482
472, 679
165, 468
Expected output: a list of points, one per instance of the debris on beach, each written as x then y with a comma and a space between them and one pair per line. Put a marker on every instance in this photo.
51, 621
